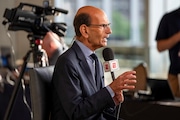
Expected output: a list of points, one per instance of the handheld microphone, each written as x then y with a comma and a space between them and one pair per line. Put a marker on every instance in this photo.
110, 64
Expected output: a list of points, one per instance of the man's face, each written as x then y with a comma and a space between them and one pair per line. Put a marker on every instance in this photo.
98, 31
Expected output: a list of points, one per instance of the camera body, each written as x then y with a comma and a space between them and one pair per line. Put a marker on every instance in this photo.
33, 20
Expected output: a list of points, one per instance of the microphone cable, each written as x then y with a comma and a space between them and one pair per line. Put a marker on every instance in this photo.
25, 99
12, 47
119, 108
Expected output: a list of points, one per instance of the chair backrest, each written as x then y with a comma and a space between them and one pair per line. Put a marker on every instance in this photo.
40, 92
141, 75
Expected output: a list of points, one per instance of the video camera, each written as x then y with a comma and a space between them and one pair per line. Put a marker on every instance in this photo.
34, 21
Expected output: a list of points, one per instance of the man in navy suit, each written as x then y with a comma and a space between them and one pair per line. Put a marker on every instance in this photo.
77, 95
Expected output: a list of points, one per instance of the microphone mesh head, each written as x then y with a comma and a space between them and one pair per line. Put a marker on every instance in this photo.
108, 54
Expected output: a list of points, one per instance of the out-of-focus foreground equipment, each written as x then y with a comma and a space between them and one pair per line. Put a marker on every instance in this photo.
34, 20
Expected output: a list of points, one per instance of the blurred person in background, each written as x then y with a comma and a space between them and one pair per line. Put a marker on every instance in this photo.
168, 38
54, 46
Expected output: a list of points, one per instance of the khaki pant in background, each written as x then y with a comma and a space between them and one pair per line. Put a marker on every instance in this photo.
174, 84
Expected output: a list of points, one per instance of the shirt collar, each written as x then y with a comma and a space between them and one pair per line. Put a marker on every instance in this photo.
86, 51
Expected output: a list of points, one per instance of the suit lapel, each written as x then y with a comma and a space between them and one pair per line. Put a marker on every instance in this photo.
88, 73
84, 65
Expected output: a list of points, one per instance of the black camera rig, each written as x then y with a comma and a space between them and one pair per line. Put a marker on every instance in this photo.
34, 21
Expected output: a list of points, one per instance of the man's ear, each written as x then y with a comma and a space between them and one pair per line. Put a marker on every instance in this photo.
83, 30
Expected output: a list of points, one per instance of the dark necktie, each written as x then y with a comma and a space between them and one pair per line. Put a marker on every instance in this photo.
96, 68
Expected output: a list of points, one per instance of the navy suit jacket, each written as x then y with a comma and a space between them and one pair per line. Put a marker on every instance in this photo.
75, 95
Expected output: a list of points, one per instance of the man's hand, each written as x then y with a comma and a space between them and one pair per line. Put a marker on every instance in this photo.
124, 81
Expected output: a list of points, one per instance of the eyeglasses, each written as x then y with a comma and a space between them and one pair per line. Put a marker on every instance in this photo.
101, 25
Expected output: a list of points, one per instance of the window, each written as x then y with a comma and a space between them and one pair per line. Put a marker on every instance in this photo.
126, 16
127, 23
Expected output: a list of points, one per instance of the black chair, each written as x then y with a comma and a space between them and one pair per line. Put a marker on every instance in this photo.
40, 92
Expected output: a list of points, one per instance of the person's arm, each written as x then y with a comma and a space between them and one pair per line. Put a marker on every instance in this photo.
168, 43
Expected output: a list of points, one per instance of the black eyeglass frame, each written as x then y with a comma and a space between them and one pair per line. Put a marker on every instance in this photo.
100, 25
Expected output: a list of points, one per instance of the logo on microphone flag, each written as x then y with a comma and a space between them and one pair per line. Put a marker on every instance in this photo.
111, 65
